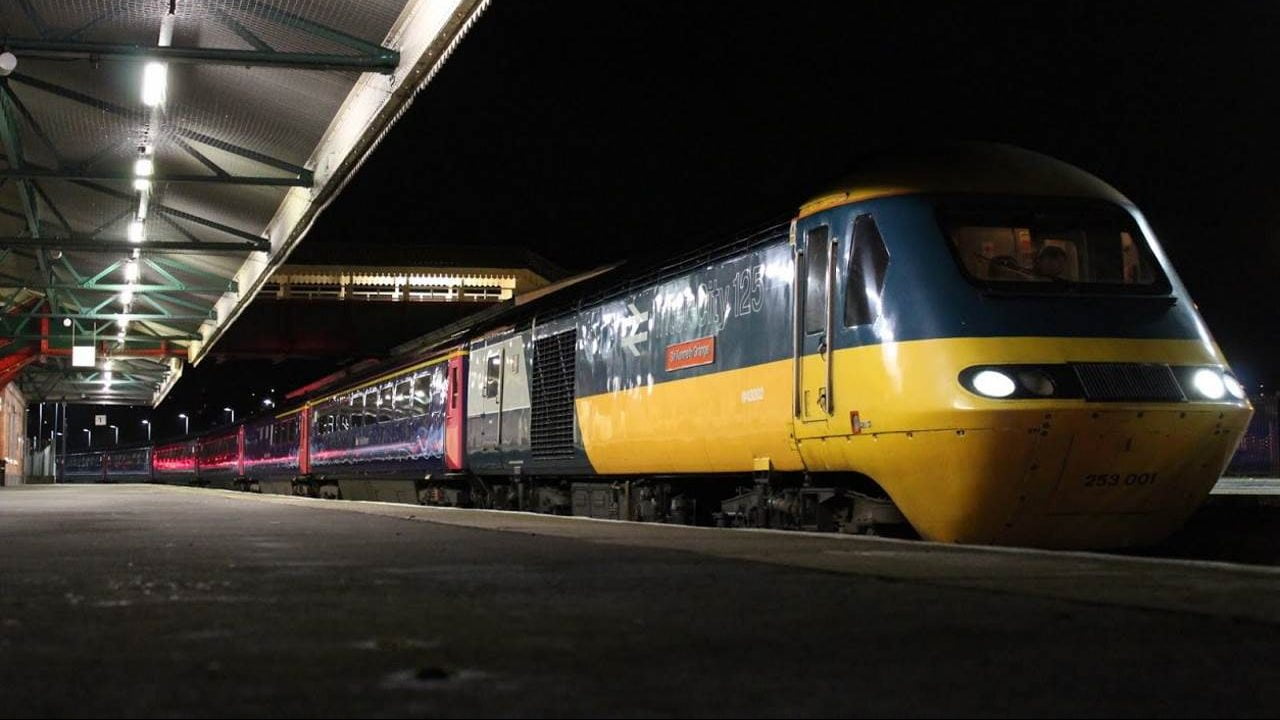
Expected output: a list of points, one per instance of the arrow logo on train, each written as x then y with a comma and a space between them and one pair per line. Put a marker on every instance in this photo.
633, 320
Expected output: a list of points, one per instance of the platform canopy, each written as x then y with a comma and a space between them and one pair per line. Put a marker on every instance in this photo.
160, 158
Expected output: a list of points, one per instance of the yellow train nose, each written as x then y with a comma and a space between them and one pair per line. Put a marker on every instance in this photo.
1075, 477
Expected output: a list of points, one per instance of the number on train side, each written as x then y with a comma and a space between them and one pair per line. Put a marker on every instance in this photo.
1118, 480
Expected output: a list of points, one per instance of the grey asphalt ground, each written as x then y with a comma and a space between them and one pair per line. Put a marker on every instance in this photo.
154, 601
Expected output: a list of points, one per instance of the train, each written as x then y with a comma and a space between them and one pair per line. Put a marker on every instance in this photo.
974, 343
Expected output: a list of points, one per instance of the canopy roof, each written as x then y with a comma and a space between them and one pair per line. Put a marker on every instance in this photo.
268, 106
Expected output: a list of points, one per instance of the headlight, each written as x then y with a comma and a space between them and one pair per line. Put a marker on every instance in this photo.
1209, 384
1233, 386
1037, 382
994, 383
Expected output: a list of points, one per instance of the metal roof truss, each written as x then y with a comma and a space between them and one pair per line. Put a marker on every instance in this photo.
267, 107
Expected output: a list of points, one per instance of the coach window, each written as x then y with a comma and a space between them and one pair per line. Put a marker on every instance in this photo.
492, 375
420, 388
864, 283
386, 409
404, 398
357, 410
815, 283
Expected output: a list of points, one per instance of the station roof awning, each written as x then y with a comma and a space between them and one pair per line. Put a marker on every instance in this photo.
160, 158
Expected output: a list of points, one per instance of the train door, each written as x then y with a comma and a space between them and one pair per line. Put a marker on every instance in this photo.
455, 414
813, 318
489, 397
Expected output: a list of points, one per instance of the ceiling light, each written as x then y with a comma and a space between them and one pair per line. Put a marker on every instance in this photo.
143, 167
126, 296
137, 233
141, 184
83, 355
131, 271
155, 79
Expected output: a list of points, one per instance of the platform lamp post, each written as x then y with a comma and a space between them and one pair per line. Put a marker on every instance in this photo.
233, 414
186, 423
90, 445
117, 429
148, 424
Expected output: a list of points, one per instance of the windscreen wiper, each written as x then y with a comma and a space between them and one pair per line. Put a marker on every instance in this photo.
1026, 272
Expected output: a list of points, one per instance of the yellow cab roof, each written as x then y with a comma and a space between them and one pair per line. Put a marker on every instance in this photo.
969, 167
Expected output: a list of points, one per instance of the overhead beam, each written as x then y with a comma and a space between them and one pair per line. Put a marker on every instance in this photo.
34, 17
11, 138
98, 399
383, 60
31, 121
33, 173
259, 243
131, 316
89, 25
243, 32
53, 208
160, 263
131, 339
203, 159
84, 244
103, 105
118, 287
298, 22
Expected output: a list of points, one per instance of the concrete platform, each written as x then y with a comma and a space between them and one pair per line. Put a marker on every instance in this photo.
158, 601
1247, 486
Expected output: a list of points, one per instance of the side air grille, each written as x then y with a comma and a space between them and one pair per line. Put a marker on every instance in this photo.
552, 395
1128, 382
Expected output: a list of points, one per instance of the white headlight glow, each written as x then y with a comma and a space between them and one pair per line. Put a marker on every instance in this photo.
1233, 386
993, 383
1209, 384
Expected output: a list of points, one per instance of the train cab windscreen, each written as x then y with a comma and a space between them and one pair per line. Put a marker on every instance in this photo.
1043, 246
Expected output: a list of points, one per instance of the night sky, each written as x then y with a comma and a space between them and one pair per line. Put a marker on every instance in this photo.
597, 131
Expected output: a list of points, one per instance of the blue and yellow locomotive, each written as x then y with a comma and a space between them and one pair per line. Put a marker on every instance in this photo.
979, 341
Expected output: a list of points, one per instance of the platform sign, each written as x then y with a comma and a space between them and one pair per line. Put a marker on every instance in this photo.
83, 355
100, 420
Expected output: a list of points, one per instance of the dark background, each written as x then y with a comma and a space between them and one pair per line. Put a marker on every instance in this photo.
590, 132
